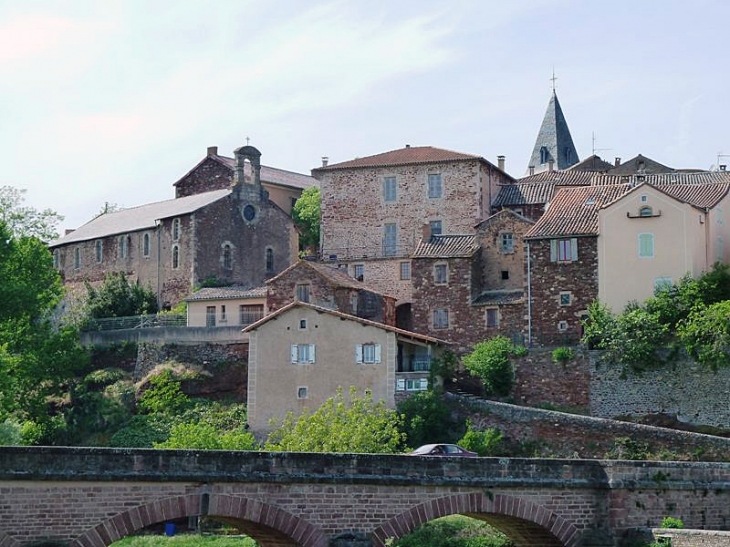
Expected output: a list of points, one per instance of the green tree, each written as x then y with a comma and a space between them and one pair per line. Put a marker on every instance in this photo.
485, 442
490, 362
164, 396
706, 335
307, 215
202, 436
24, 221
454, 531
427, 419
116, 297
361, 425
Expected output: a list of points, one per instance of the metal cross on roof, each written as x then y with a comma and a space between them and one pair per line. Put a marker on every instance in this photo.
553, 79
247, 140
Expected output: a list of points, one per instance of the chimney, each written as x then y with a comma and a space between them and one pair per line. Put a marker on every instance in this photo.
408, 145
532, 169
551, 165
500, 162
617, 162
212, 150
426, 232
723, 167
325, 161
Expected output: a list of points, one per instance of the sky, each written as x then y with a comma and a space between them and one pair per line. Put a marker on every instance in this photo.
114, 101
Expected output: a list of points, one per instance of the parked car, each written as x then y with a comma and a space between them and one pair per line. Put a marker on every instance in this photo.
442, 450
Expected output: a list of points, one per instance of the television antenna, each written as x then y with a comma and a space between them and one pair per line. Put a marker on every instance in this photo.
593, 141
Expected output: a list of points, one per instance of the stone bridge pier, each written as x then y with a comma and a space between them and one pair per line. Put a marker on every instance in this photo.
85, 497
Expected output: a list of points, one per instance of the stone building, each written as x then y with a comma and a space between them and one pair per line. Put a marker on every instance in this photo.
554, 148
329, 287
230, 306
375, 209
236, 235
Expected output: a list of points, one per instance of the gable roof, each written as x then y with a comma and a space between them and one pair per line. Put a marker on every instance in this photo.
554, 135
634, 166
298, 304
574, 211
701, 196
521, 193
336, 276
269, 175
410, 155
503, 212
227, 293
446, 246
566, 177
592, 164
139, 218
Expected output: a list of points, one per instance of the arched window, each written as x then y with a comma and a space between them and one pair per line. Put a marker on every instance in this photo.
543, 154
645, 212
56, 259
123, 246
175, 256
227, 262
176, 229
99, 250
146, 245
77, 258
269, 260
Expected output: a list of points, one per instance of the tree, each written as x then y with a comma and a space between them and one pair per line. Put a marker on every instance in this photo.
706, 335
203, 436
26, 221
361, 426
427, 419
489, 361
307, 215
116, 297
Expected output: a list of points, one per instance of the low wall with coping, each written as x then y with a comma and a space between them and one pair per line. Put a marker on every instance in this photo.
692, 538
165, 335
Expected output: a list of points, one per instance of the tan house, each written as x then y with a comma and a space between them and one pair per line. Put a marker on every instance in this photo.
664, 228
226, 306
301, 354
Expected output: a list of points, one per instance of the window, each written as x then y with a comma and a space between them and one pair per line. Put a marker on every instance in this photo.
302, 354
353, 303
645, 212
303, 292
492, 317
293, 202
441, 274
175, 257
302, 324
417, 384
646, 245
563, 250
176, 229
390, 239
567, 154
519, 212
507, 244
565, 298
434, 185
441, 318
123, 246
146, 245
389, 189
269, 260
210, 316
435, 227
77, 258
99, 251
405, 270
644, 198
223, 314
302, 392
662, 284
562, 326
543, 154
56, 259
248, 314
367, 353
226, 259
505, 275
359, 271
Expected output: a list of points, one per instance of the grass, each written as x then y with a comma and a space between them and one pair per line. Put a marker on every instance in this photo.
185, 540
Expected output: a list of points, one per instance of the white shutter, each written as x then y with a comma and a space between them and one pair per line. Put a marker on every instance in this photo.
294, 359
424, 383
400, 385
358, 354
574, 248
311, 353
377, 353
553, 250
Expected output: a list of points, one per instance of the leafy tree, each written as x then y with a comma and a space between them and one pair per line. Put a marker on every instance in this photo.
489, 361
116, 297
427, 419
706, 335
24, 221
307, 215
486, 442
203, 436
361, 426
600, 326
164, 396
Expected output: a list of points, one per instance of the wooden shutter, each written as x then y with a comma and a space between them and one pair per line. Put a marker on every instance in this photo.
294, 354
574, 248
311, 353
553, 250
358, 354
377, 353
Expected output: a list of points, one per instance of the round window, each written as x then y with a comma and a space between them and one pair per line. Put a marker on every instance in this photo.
249, 212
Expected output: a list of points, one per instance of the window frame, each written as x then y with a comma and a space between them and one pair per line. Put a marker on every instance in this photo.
175, 251
390, 189
564, 250
269, 260
390, 239
302, 393
436, 227
99, 250
495, 323
435, 185
561, 294
369, 353
254, 312
649, 238
303, 354
504, 247
358, 268
405, 270
440, 319
176, 229
210, 316
303, 292
146, 244
77, 258
227, 256
441, 273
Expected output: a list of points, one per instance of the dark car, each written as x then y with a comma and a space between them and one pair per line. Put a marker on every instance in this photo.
442, 450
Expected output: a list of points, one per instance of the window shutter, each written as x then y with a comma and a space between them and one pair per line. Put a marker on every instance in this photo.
311, 353
424, 383
358, 353
574, 248
294, 353
377, 353
400, 385
553, 250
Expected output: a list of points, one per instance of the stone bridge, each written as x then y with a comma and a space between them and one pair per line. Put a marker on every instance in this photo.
89, 497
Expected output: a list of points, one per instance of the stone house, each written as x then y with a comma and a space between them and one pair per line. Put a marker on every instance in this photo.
216, 172
374, 209
330, 287
301, 354
236, 235
226, 306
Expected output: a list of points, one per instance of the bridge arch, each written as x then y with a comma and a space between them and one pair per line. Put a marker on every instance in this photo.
7, 541
525, 523
268, 524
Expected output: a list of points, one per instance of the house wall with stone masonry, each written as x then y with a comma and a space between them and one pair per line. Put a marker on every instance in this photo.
383, 275
209, 175
539, 381
467, 323
532, 211
350, 231
549, 279
494, 261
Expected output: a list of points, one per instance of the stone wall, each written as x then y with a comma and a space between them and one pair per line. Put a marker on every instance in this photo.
161, 335
692, 538
549, 279
494, 260
383, 275
209, 175
539, 381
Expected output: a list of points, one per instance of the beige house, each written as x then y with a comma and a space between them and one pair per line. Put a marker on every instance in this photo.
662, 229
301, 354
226, 306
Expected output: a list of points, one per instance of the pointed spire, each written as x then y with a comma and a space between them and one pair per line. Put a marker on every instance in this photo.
553, 140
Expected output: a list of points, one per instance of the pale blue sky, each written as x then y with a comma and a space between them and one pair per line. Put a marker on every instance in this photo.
115, 100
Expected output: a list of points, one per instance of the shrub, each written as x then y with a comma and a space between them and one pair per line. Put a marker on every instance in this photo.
490, 362
563, 355
637, 337
599, 327
672, 522
487, 442
116, 297
142, 431
706, 335
454, 531
625, 448
207, 437
164, 395
10, 433
426, 419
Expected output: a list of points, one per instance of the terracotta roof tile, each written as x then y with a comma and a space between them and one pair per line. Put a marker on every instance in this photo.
404, 156
227, 293
565, 178
446, 246
336, 276
520, 193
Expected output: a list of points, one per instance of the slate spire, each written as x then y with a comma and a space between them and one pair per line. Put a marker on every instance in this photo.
553, 141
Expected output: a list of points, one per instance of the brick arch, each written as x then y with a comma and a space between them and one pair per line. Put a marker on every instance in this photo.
7, 541
525, 523
270, 525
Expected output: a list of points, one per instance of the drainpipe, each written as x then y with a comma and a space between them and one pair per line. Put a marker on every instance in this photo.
529, 298
158, 226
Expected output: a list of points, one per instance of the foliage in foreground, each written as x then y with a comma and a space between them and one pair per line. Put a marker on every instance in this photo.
454, 531
486, 442
117, 297
307, 216
427, 419
362, 426
185, 540
489, 361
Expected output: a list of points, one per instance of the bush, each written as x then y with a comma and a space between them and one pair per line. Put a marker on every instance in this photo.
625, 448
706, 335
454, 531
487, 442
489, 361
426, 419
164, 395
207, 437
599, 327
672, 522
142, 431
10, 433
116, 297
563, 355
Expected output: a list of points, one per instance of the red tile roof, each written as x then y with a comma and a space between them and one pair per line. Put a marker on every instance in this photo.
338, 277
566, 178
524, 193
